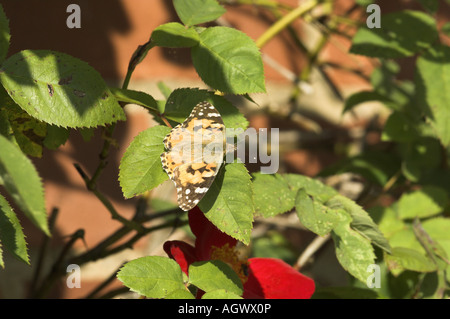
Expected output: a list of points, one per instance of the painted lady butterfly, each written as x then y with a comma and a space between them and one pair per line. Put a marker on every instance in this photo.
195, 151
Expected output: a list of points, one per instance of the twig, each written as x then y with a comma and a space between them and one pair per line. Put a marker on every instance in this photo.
278, 26
57, 269
312, 248
114, 214
105, 283
43, 251
99, 251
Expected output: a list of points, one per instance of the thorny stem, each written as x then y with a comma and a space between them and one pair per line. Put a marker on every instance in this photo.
105, 201
43, 250
58, 266
99, 251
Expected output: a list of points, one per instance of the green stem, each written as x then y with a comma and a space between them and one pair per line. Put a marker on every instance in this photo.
281, 24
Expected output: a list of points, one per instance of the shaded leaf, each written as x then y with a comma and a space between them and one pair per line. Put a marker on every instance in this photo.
402, 34
194, 12
228, 204
5, 35
11, 234
135, 97
174, 35
181, 102
228, 60
361, 221
426, 202
59, 89
433, 89
405, 258
21, 180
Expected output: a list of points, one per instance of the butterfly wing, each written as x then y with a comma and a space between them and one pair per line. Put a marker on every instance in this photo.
194, 154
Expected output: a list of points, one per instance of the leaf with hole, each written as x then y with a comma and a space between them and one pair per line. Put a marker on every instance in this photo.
59, 89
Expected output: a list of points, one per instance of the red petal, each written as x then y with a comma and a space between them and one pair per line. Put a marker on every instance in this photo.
181, 252
207, 235
271, 278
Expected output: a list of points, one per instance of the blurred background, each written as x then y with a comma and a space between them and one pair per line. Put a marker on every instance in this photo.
303, 100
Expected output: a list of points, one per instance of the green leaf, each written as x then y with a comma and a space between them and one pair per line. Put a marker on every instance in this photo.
407, 239
214, 274
425, 202
11, 234
433, 89
5, 35
397, 95
399, 128
430, 5
314, 215
228, 60
377, 167
446, 28
438, 228
229, 204
221, 294
420, 156
140, 169
276, 194
403, 258
174, 35
361, 221
388, 221
272, 194
164, 89
22, 182
365, 96
135, 97
274, 244
59, 89
353, 251
194, 12
56, 136
86, 133
181, 102
344, 293
313, 187
180, 294
152, 276
27, 132
402, 34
